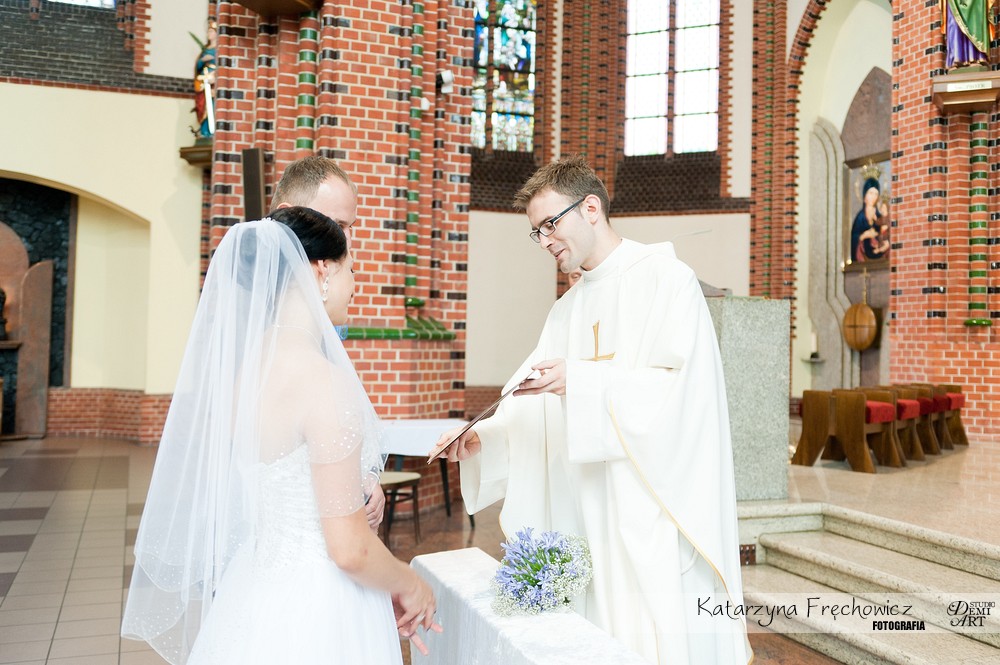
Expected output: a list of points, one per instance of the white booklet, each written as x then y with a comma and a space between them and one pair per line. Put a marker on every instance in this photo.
438, 450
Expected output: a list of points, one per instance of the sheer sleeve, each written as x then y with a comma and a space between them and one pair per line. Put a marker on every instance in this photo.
334, 434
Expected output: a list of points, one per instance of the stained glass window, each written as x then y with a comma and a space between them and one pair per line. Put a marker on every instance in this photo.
672, 106
107, 4
503, 85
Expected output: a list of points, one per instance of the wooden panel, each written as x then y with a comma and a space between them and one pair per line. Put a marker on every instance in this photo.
33, 358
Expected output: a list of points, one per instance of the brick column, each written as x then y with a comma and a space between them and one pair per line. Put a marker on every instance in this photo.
940, 258
979, 222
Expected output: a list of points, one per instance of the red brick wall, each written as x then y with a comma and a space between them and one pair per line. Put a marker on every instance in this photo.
478, 398
593, 80
107, 412
94, 412
930, 217
373, 64
773, 161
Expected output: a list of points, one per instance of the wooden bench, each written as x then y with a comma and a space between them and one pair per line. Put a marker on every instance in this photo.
846, 424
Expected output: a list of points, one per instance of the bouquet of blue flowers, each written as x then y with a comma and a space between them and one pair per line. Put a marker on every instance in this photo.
539, 574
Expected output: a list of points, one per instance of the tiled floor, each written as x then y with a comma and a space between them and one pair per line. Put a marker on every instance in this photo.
69, 509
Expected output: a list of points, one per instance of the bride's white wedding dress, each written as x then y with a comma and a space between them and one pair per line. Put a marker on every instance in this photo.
282, 600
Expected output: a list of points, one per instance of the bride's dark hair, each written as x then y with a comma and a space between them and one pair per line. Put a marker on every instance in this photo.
321, 237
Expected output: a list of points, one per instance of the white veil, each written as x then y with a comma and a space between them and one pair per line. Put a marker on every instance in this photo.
264, 372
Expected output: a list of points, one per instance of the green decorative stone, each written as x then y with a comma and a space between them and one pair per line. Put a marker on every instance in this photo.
417, 328
982, 323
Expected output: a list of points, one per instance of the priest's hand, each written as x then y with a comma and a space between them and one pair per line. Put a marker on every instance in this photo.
375, 508
464, 447
552, 380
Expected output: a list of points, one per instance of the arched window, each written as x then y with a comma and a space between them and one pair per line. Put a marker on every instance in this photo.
672, 77
503, 86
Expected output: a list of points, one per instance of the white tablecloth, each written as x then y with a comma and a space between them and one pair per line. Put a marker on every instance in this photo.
475, 635
416, 437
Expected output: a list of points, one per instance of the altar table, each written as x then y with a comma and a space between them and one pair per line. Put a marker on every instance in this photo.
475, 635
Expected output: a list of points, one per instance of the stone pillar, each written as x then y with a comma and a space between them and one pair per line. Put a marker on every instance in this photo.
753, 340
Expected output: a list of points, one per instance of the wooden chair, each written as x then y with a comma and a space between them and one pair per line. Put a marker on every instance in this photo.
867, 417
400, 487
932, 408
953, 415
907, 416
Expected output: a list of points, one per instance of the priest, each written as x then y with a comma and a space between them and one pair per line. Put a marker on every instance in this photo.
624, 438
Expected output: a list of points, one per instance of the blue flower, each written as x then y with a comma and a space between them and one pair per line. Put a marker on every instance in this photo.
539, 574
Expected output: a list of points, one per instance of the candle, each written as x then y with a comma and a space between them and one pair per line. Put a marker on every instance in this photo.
815, 343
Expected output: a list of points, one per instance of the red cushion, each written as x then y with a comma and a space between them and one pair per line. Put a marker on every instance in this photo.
926, 405
907, 409
941, 403
957, 401
879, 412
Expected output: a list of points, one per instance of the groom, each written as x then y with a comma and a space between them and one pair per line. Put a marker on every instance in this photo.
624, 439
319, 183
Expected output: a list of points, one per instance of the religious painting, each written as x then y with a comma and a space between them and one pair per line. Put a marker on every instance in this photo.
866, 202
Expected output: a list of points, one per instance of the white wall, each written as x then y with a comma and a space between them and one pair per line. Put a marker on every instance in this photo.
512, 282
172, 52
512, 285
120, 150
741, 102
112, 270
717, 247
795, 11
851, 37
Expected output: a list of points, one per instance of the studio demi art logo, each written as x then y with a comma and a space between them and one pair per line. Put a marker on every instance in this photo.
971, 614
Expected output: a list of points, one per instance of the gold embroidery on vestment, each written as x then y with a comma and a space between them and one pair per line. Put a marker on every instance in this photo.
597, 352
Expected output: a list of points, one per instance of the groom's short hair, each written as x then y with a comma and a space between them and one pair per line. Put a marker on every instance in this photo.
302, 178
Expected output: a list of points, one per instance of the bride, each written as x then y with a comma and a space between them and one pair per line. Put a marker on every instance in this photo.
253, 545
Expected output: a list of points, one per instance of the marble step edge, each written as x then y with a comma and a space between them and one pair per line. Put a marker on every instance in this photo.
908, 571
762, 517
821, 633
949, 550
862, 581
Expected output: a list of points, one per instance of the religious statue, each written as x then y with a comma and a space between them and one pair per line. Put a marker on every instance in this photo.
204, 83
969, 26
870, 230
3, 321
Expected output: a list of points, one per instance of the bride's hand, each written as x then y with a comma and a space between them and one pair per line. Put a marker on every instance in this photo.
413, 609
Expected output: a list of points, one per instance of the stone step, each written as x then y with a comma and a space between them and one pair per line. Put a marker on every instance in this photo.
772, 587
879, 575
946, 549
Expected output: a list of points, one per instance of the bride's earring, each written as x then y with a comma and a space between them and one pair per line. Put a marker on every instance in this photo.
326, 287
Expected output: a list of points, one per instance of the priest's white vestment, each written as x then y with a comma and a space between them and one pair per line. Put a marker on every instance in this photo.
636, 457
